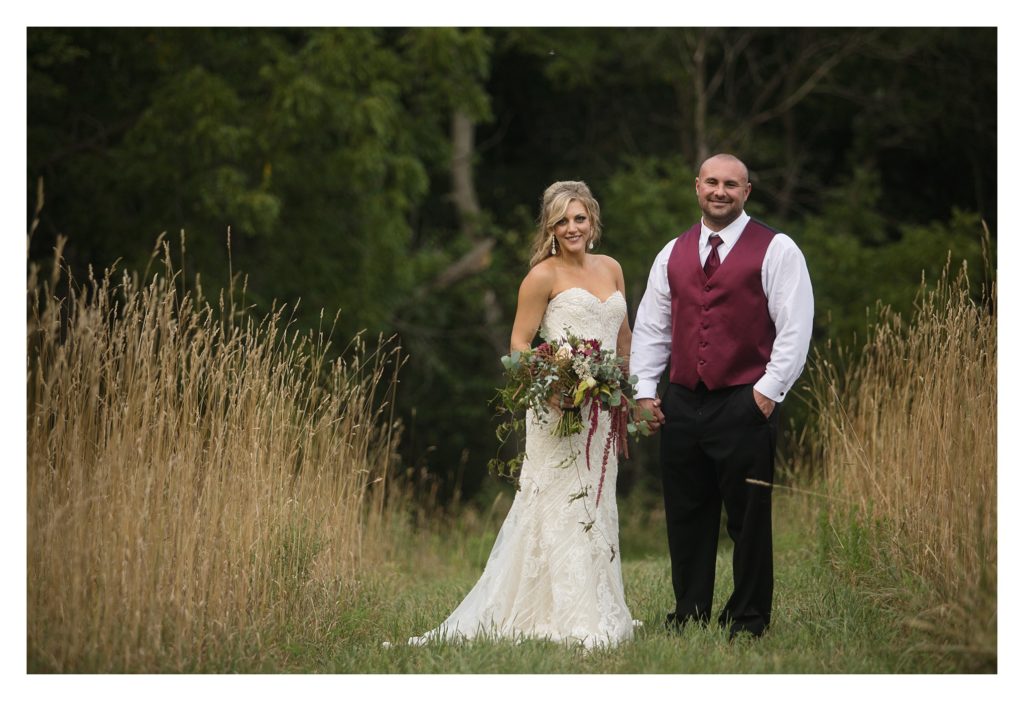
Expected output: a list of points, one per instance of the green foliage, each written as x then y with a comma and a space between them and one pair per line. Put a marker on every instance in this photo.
314, 146
855, 266
459, 63
644, 205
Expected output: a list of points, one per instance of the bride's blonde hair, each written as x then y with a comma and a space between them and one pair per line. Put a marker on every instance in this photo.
553, 207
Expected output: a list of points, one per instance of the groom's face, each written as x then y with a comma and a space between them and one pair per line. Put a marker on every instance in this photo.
722, 190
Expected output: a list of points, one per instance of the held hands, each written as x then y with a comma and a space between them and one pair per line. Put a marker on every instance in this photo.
649, 410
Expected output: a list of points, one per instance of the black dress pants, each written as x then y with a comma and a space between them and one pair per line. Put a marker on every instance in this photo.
712, 444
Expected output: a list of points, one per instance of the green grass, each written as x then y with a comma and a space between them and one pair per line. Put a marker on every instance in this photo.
824, 621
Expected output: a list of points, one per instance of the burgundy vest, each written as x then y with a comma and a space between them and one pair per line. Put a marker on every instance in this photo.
721, 331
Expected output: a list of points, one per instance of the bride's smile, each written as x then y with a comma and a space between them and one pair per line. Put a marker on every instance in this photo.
573, 230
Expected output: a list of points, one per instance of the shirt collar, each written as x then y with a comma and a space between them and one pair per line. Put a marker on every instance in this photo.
730, 234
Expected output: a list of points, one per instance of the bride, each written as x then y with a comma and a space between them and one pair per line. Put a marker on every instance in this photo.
554, 572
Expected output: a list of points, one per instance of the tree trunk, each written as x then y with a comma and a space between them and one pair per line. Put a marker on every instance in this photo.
479, 256
463, 190
466, 204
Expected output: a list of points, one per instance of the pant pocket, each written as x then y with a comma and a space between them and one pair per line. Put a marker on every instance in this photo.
762, 418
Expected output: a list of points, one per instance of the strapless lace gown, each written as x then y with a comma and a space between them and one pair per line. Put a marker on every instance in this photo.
549, 575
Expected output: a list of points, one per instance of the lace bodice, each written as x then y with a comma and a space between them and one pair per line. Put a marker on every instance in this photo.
572, 311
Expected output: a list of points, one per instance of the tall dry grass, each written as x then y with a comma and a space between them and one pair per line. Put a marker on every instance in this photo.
196, 476
909, 448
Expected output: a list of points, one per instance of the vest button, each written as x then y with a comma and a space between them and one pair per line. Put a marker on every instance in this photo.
702, 362
707, 287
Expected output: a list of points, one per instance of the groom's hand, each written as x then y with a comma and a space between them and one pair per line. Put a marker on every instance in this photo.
767, 405
649, 410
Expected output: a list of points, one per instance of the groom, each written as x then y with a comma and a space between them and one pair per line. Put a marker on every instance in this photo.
729, 307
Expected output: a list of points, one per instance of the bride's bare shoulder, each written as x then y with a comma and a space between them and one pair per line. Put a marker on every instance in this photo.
610, 266
541, 277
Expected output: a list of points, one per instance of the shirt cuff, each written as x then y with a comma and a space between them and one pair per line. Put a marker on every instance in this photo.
771, 388
646, 389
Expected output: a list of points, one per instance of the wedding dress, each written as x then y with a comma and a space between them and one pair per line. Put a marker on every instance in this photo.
554, 571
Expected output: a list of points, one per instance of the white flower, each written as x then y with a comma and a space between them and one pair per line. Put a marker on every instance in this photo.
582, 368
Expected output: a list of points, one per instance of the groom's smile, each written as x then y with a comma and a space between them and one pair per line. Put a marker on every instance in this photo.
722, 190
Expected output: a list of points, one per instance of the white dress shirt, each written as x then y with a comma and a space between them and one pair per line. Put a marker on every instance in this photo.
787, 285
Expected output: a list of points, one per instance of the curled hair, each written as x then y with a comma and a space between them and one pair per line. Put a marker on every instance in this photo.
553, 208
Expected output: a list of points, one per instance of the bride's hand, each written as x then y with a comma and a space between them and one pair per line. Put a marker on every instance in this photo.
559, 401
649, 410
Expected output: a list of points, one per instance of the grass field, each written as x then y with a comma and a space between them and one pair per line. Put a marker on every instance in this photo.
823, 622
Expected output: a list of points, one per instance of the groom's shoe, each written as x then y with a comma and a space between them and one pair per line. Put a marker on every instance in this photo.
753, 624
672, 625
754, 630
675, 623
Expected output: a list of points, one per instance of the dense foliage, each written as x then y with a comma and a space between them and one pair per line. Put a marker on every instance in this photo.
393, 175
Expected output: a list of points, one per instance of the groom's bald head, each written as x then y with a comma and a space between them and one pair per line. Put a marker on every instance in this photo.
726, 158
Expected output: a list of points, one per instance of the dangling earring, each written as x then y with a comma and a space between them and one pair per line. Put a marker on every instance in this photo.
553, 250
590, 245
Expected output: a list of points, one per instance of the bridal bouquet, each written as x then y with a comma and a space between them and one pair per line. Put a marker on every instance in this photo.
582, 378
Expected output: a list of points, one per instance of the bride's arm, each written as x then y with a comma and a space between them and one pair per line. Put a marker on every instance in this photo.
624, 341
534, 293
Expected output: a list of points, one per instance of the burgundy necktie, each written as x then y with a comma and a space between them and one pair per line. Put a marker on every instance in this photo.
713, 262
